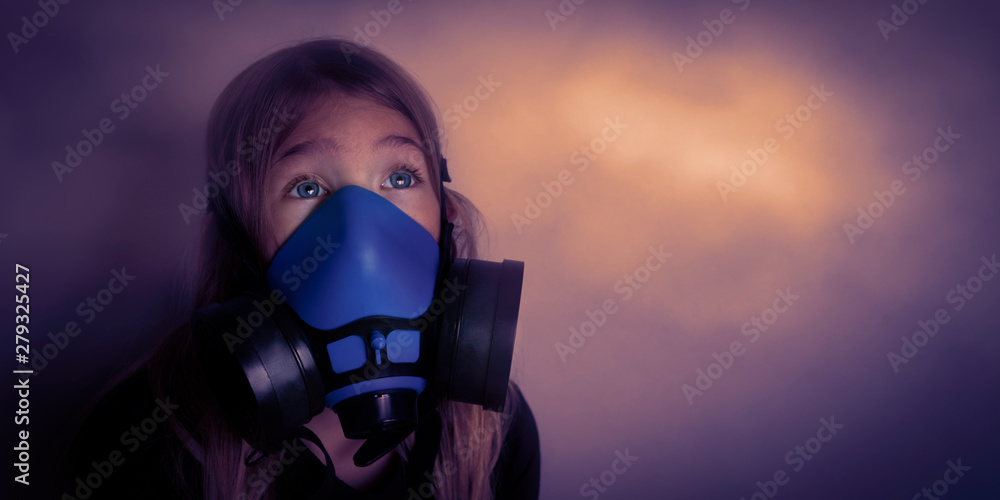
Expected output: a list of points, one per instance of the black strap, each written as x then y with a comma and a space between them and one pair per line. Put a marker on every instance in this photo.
330, 477
425, 450
254, 457
444, 170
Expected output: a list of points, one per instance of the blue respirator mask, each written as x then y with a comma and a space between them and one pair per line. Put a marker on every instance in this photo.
363, 312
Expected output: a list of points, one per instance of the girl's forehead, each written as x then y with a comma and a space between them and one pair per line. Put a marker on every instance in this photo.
351, 118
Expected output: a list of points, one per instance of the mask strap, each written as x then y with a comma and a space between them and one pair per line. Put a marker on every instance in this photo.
444, 169
303, 433
330, 477
254, 457
446, 227
425, 448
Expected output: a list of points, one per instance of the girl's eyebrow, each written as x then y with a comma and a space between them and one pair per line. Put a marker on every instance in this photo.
311, 147
395, 141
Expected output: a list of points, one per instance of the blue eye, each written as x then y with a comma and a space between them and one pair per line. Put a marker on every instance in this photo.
398, 180
308, 189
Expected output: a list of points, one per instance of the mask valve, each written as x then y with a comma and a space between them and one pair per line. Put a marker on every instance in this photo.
378, 343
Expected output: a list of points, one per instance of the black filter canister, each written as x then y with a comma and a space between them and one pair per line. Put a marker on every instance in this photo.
477, 332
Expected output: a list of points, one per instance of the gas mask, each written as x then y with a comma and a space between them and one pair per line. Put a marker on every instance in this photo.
363, 312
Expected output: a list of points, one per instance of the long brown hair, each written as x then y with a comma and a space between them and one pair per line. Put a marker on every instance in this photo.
249, 122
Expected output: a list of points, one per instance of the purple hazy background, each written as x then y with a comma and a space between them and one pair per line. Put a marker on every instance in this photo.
655, 183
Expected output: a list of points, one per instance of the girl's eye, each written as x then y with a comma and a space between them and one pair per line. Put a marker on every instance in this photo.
398, 180
307, 189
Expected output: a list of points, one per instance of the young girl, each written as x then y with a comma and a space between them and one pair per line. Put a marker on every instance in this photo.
288, 133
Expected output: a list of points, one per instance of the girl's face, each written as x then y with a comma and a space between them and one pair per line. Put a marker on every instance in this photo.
348, 141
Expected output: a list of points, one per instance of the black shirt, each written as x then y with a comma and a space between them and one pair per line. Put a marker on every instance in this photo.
121, 451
